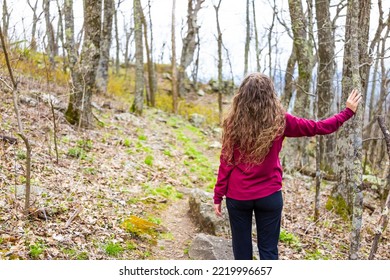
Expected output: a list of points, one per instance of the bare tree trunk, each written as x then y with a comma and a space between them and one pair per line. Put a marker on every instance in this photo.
117, 46
6, 16
137, 106
174, 69
289, 78
326, 45
270, 36
303, 49
304, 57
190, 41
127, 43
257, 49
105, 46
219, 40
247, 39
15, 90
352, 150
195, 69
149, 58
60, 33
33, 43
51, 45
84, 77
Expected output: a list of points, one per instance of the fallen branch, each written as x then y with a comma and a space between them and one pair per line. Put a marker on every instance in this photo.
73, 216
312, 173
8, 139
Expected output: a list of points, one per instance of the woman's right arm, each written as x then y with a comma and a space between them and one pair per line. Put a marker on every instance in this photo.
298, 127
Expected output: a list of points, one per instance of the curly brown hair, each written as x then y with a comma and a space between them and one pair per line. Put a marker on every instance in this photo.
256, 117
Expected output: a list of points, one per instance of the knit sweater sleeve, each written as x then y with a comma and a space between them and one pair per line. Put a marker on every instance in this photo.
298, 127
221, 185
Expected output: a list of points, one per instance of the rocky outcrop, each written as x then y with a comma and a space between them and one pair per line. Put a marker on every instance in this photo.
202, 213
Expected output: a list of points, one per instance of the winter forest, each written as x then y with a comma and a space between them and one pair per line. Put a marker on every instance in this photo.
111, 119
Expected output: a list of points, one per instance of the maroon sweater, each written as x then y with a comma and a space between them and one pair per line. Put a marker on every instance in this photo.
242, 182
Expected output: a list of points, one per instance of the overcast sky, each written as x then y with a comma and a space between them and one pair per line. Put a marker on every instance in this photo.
232, 21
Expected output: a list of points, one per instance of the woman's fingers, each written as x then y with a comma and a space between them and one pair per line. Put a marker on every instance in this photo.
353, 100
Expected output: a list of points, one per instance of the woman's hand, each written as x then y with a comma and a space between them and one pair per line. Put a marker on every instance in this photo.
353, 100
217, 209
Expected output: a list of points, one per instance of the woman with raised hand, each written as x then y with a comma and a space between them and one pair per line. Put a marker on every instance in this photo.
250, 173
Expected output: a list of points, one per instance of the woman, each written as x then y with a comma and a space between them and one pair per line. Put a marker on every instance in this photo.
250, 174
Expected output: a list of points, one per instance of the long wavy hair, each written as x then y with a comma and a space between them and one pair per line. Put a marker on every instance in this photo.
256, 117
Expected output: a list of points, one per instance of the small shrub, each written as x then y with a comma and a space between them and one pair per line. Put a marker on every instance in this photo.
36, 249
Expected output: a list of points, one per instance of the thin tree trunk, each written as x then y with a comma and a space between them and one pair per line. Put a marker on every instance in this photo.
289, 78
15, 90
270, 36
105, 46
384, 219
33, 43
247, 39
139, 60
117, 46
190, 41
151, 74
173, 62
257, 49
51, 45
219, 41
5, 18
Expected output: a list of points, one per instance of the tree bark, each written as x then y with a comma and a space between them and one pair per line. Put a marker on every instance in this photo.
326, 45
173, 62
219, 41
289, 78
149, 59
84, 77
257, 49
5, 18
190, 41
352, 150
52, 49
139, 60
105, 46
384, 219
247, 39
33, 43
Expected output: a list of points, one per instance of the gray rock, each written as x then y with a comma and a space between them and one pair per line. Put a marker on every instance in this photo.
167, 76
202, 213
197, 120
29, 101
201, 92
215, 145
34, 190
130, 118
208, 247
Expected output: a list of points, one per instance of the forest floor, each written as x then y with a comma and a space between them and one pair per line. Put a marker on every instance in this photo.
120, 190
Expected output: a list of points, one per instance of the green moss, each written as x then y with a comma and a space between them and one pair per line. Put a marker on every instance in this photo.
140, 227
149, 160
113, 249
339, 205
316, 255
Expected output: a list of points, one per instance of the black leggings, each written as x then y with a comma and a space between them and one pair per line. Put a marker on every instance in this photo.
268, 211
